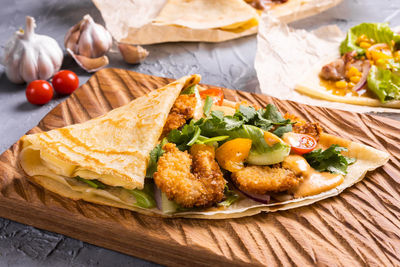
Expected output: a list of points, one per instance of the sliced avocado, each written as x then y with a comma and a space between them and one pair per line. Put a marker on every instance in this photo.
168, 206
269, 154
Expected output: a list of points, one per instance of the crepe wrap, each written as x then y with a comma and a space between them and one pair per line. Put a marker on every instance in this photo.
137, 138
159, 21
288, 62
113, 148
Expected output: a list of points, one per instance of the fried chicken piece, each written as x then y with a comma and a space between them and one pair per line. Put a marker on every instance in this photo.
263, 179
191, 180
303, 127
182, 110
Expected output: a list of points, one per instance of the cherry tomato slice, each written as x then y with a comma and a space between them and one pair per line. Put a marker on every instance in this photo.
39, 92
65, 82
300, 143
215, 93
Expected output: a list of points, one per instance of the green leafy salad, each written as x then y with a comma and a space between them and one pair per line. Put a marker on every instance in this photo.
370, 61
215, 129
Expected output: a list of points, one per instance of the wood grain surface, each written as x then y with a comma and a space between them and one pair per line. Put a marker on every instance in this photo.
359, 227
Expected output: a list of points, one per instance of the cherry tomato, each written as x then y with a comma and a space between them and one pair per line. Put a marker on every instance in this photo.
39, 92
65, 82
300, 143
215, 93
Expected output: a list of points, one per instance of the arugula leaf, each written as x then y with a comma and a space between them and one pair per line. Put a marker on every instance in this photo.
379, 32
190, 90
247, 113
206, 140
185, 137
384, 83
230, 197
144, 198
279, 131
93, 183
207, 105
330, 160
265, 119
155, 154
195, 137
217, 124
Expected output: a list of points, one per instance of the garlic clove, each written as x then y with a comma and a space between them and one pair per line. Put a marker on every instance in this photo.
89, 64
72, 37
88, 38
132, 54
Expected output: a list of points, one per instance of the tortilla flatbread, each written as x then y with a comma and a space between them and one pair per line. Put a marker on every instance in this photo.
34, 164
140, 21
113, 148
203, 14
311, 86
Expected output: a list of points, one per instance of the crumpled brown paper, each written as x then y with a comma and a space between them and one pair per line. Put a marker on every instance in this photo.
130, 21
286, 56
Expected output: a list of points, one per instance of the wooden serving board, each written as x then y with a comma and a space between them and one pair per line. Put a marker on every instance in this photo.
361, 226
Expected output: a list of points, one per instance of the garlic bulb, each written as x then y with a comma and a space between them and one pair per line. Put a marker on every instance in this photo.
88, 38
29, 56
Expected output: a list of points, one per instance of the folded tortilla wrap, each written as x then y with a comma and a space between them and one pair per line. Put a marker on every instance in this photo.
311, 86
113, 148
54, 158
231, 15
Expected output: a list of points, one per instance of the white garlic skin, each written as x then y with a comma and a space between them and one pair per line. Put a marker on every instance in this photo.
29, 56
88, 38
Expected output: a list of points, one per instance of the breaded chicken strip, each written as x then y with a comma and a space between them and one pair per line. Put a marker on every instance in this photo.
303, 127
182, 110
190, 180
263, 179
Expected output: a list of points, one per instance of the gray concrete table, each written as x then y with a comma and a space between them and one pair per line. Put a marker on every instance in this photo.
228, 64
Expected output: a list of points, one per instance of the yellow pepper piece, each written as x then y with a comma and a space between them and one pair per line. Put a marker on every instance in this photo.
355, 79
233, 153
271, 139
341, 84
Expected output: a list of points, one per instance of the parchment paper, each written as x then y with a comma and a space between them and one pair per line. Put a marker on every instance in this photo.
286, 56
130, 21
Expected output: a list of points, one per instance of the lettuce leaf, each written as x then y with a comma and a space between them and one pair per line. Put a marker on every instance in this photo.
207, 106
380, 32
155, 154
144, 198
190, 90
384, 83
266, 119
230, 197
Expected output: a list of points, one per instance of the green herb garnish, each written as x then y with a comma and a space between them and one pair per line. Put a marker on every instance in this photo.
330, 160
